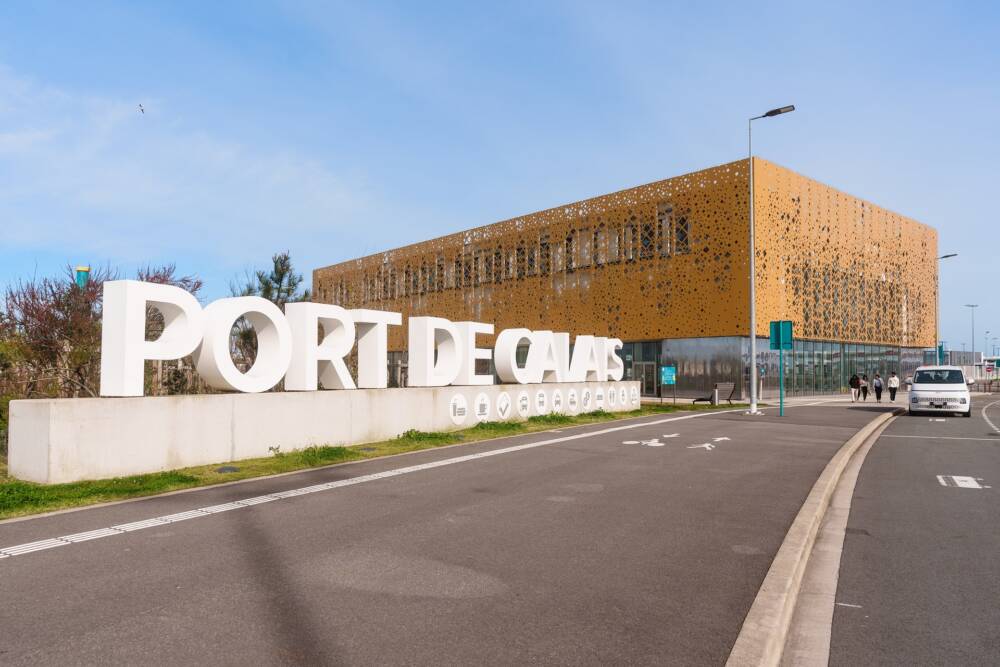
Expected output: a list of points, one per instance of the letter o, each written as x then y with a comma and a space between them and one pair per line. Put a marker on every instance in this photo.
214, 360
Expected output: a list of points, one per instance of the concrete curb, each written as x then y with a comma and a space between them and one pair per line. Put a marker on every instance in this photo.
765, 629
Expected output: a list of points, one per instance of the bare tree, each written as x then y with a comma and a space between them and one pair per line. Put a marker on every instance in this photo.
50, 332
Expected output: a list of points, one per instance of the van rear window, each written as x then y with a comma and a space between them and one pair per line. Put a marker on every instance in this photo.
939, 377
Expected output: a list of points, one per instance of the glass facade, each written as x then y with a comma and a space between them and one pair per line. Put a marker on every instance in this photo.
811, 367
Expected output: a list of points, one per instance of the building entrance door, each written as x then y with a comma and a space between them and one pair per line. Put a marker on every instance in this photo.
645, 373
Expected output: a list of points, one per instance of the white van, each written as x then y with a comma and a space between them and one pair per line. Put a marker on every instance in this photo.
939, 389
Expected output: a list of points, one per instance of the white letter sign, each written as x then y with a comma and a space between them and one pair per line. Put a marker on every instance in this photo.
430, 335
124, 347
214, 360
307, 345
308, 354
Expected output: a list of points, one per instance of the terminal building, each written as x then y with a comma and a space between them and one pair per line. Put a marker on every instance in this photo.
665, 268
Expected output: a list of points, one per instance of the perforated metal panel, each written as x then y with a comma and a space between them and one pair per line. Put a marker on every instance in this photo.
666, 260
841, 268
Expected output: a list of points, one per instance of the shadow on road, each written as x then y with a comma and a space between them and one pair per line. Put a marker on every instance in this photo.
299, 640
874, 408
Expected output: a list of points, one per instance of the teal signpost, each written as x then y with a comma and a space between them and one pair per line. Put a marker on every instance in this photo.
668, 376
781, 340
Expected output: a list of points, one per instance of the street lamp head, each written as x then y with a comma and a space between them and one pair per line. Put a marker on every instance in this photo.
779, 111
954, 254
972, 305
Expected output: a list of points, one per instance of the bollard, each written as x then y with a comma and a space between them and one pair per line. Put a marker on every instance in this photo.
715, 396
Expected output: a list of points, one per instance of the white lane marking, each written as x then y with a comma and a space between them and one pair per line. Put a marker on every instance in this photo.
719, 439
960, 481
852, 606
706, 445
90, 535
120, 529
992, 425
652, 442
935, 419
670, 435
941, 437
35, 546
138, 525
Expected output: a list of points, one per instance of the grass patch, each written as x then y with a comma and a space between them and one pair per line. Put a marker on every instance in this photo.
19, 498
554, 419
414, 435
498, 427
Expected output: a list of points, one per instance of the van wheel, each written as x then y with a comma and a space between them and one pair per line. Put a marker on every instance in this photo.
967, 413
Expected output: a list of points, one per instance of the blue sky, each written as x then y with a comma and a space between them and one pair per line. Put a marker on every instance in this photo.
337, 130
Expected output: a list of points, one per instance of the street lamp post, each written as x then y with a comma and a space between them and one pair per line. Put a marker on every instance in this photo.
753, 268
938, 352
972, 341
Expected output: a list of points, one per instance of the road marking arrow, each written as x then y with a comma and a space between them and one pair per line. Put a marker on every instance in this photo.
706, 445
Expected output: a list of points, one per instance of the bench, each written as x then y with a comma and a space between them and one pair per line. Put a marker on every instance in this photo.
722, 388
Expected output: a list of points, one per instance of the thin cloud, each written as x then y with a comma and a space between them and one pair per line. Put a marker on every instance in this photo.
93, 174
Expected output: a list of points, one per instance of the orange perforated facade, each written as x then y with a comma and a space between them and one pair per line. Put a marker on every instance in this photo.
665, 267
669, 260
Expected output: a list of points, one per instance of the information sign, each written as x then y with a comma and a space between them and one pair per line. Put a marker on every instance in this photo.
668, 375
781, 335
781, 340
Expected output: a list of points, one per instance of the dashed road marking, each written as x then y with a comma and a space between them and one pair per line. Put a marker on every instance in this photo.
961, 482
120, 529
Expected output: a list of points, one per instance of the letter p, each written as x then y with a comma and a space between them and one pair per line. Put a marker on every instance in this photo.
124, 348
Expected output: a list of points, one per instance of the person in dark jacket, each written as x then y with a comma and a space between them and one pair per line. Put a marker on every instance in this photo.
855, 384
864, 386
877, 386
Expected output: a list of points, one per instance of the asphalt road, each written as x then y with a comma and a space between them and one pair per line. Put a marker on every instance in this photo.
585, 550
920, 571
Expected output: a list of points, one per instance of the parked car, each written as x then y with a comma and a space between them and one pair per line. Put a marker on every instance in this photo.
939, 389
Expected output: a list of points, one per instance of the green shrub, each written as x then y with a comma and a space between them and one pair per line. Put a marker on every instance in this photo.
498, 427
413, 435
322, 455
555, 418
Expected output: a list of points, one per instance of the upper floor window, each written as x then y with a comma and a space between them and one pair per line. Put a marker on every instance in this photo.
682, 236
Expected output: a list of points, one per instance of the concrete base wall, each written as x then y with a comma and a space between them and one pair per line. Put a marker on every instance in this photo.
72, 439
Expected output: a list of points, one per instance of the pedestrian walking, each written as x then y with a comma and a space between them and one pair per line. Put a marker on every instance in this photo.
855, 385
893, 387
877, 386
864, 386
